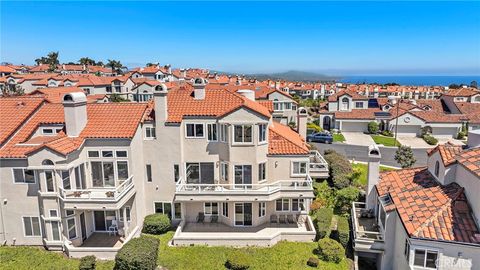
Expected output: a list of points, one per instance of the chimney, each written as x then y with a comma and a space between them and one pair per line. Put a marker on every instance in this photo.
239, 80
160, 99
373, 174
75, 110
302, 116
277, 85
247, 93
183, 73
473, 139
199, 88
169, 69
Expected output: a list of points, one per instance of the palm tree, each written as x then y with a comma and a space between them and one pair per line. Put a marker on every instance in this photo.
87, 61
115, 65
52, 59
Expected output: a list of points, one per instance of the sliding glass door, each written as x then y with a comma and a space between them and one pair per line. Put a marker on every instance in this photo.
243, 176
200, 173
103, 219
243, 214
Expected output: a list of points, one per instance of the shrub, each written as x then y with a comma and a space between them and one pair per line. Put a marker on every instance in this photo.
340, 169
345, 197
343, 231
387, 133
139, 253
314, 127
323, 217
156, 224
313, 262
238, 260
372, 127
430, 139
426, 130
461, 135
330, 250
404, 156
341, 181
87, 263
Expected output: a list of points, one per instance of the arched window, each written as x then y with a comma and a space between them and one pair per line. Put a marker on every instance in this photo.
47, 162
345, 103
344, 99
477, 99
437, 168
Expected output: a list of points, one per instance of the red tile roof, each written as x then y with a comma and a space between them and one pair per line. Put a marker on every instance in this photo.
447, 152
357, 114
55, 94
7, 69
282, 140
470, 159
462, 92
428, 209
354, 95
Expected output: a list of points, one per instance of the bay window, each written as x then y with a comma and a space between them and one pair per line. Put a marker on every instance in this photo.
24, 176
262, 133
299, 167
212, 132
242, 133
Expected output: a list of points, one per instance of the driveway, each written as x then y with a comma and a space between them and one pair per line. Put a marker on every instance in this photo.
358, 138
414, 142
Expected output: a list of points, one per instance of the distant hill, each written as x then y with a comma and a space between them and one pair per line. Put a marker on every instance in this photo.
291, 75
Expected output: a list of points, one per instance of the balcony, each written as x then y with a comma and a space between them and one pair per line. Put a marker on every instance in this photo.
114, 197
244, 192
318, 165
367, 236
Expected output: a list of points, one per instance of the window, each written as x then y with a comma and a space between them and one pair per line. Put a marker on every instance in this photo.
55, 231
262, 172
225, 209
178, 210
47, 131
262, 209
282, 205
93, 154
149, 172
49, 180
163, 208
287, 105
297, 205
210, 208
200, 173
437, 168
80, 177
121, 154
224, 133
150, 133
299, 167
122, 170
31, 226
66, 179
102, 173
107, 153
224, 171
406, 251
262, 133
72, 230
194, 130
53, 213
69, 213
212, 132
243, 176
243, 133
24, 176
176, 172
359, 105
425, 258
127, 213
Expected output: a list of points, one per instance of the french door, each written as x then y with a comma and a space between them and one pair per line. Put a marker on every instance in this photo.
243, 176
103, 219
243, 214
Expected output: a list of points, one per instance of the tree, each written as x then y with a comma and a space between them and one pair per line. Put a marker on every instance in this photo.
117, 98
345, 197
150, 64
115, 65
52, 61
87, 61
474, 84
372, 127
404, 156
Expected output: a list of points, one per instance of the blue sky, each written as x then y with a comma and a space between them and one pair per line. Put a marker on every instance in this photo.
337, 38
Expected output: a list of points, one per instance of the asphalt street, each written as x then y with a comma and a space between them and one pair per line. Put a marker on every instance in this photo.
359, 153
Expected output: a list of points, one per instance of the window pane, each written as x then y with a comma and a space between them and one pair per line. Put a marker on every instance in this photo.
149, 172
193, 173
55, 231
176, 172
278, 205
431, 259
247, 174
419, 257
127, 211
72, 233
190, 130
36, 226
198, 130
238, 174
238, 133
214, 208
285, 205
122, 169
18, 175
66, 179
93, 154
294, 204
159, 208
207, 173
178, 211
107, 153
108, 174
27, 224
97, 173
247, 130
29, 176
296, 168
121, 153
49, 180
167, 210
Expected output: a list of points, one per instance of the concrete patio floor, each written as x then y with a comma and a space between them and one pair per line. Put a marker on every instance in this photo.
102, 240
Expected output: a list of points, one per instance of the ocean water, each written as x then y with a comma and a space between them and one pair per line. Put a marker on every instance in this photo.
412, 80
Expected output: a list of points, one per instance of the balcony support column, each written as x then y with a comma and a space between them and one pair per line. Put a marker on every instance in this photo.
125, 222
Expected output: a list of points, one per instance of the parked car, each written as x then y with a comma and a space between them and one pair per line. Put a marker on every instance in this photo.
320, 137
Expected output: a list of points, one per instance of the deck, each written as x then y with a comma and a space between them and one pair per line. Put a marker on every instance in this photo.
103, 240
367, 236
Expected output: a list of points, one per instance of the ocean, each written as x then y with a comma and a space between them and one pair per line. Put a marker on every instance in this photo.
412, 80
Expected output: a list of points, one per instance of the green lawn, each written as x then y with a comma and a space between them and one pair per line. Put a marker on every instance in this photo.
387, 141
37, 258
284, 255
362, 178
338, 137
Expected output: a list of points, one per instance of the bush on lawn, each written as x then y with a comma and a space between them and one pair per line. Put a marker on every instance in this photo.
139, 253
314, 127
345, 197
238, 260
323, 218
340, 169
330, 250
372, 127
313, 262
387, 133
342, 234
461, 135
156, 224
87, 263
430, 139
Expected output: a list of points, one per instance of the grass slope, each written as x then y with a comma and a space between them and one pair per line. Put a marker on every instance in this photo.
386, 141
362, 178
338, 137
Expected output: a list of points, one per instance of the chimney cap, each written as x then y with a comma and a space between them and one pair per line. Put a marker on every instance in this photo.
374, 151
75, 97
302, 111
199, 81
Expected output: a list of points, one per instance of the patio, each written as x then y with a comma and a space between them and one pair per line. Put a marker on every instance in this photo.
103, 240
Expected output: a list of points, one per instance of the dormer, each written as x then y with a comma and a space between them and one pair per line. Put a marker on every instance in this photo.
441, 162
345, 103
475, 99
52, 83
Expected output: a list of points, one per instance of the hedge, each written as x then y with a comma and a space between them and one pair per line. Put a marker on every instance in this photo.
238, 260
372, 127
330, 250
139, 254
87, 263
324, 217
340, 168
156, 224
343, 231
430, 139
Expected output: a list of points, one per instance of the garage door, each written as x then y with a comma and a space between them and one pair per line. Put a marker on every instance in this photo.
444, 132
354, 127
408, 130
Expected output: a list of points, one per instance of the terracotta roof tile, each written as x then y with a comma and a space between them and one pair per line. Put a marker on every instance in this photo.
282, 140
470, 159
354, 95
447, 152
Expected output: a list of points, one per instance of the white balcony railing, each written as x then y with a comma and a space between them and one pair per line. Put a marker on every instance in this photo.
266, 188
99, 194
366, 233
317, 162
